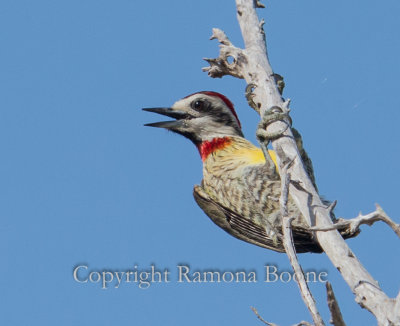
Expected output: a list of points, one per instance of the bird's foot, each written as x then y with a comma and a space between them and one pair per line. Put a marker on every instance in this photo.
272, 233
273, 114
249, 97
279, 82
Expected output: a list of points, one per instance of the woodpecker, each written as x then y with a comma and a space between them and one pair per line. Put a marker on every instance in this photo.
240, 189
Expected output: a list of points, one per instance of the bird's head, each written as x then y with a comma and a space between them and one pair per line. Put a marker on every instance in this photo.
201, 117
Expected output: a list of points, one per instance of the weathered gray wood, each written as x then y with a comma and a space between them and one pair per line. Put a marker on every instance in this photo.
291, 251
354, 224
253, 65
336, 315
300, 278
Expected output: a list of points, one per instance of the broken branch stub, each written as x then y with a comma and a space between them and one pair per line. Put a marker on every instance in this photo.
229, 60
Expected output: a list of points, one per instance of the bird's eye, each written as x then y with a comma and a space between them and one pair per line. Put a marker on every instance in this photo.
198, 105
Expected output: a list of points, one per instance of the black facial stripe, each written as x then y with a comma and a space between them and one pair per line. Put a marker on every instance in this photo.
222, 117
218, 113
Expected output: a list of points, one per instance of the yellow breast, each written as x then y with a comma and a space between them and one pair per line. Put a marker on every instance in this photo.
255, 155
242, 150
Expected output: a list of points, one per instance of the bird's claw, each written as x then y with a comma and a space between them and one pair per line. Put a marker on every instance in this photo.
279, 82
273, 114
249, 97
273, 234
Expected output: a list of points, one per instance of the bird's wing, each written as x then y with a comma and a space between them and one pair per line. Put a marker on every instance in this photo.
246, 230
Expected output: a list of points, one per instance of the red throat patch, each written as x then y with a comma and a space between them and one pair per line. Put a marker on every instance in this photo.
208, 147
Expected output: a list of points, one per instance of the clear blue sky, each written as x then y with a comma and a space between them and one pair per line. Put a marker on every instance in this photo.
82, 182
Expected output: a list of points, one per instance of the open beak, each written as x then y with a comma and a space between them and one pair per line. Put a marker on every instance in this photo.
169, 112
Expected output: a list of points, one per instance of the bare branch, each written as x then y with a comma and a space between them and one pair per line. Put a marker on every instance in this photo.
354, 224
285, 180
302, 323
220, 36
300, 279
259, 72
336, 315
259, 4
253, 65
378, 215
397, 308
291, 251
262, 319
229, 60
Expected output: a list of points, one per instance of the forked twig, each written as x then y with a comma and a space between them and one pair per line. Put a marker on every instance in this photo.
369, 219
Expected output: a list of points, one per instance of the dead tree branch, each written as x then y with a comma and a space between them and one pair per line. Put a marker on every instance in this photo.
252, 64
302, 323
300, 279
262, 319
336, 315
291, 251
354, 224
